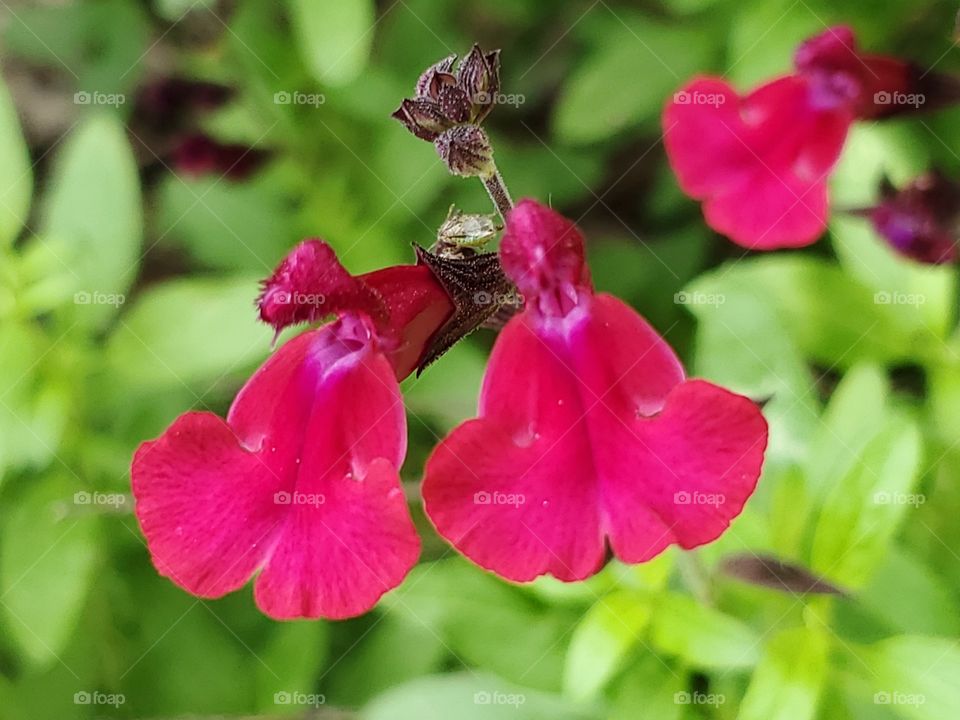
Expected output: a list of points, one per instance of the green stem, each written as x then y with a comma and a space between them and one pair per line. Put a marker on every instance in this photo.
498, 192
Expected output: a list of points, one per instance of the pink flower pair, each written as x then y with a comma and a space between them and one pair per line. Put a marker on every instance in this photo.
587, 434
760, 162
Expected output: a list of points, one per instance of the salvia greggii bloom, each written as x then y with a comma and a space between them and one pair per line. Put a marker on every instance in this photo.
448, 107
588, 433
921, 220
299, 485
760, 162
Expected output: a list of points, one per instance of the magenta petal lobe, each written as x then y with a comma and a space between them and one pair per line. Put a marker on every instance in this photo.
301, 483
589, 435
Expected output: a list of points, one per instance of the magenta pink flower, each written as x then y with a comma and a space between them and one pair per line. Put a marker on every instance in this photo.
588, 432
300, 483
760, 162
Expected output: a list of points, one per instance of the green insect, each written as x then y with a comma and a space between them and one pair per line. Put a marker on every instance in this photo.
466, 230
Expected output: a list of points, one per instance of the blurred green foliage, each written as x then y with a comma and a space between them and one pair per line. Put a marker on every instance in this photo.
125, 300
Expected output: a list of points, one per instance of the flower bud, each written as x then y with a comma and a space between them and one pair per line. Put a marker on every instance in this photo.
921, 220
467, 151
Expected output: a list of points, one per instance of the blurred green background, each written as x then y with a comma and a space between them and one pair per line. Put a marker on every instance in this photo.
126, 292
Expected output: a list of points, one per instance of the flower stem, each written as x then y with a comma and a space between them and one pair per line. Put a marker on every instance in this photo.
498, 192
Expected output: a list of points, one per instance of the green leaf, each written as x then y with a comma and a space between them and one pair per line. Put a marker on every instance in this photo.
601, 642
205, 663
865, 507
916, 676
806, 293
702, 636
393, 651
636, 65
919, 297
290, 663
651, 684
743, 344
33, 406
477, 616
763, 34
468, 697
334, 38
94, 216
231, 226
47, 563
187, 332
16, 175
448, 390
856, 412
790, 509
928, 608
176, 10
789, 677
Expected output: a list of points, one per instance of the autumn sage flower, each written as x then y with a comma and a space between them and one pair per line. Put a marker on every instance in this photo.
760, 162
921, 220
448, 107
588, 432
300, 482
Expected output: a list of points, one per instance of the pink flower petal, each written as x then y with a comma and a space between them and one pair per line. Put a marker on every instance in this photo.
205, 505
759, 163
700, 460
770, 212
419, 306
587, 430
336, 558
542, 250
310, 284
300, 481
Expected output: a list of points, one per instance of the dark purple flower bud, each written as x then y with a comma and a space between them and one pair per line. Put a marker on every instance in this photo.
448, 99
467, 151
199, 155
479, 78
454, 104
435, 76
422, 117
921, 220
